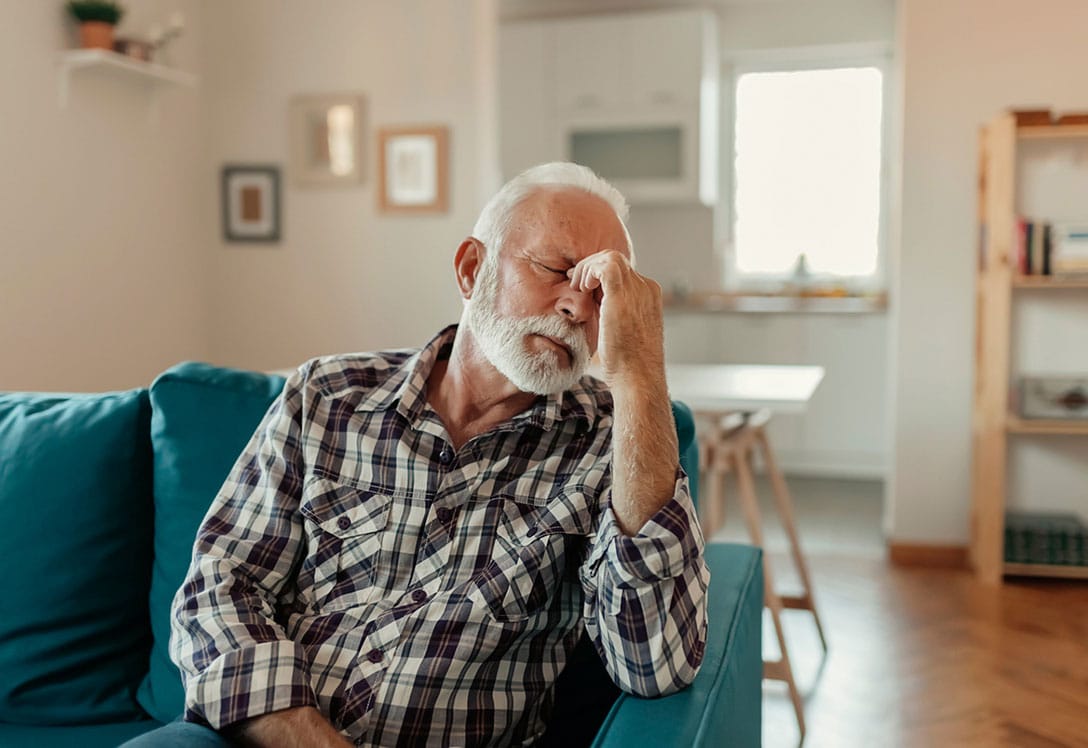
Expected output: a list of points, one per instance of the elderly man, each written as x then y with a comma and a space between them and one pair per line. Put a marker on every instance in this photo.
413, 541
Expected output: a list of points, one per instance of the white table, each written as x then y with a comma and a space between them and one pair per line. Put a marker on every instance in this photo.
736, 387
719, 393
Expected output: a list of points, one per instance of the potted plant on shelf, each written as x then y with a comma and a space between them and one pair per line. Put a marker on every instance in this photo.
96, 21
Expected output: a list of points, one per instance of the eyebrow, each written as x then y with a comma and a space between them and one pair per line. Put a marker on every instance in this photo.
559, 252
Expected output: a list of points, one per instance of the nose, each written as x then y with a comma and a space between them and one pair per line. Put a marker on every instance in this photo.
577, 306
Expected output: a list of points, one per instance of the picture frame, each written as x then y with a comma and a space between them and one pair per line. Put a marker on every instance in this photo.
327, 139
251, 203
413, 165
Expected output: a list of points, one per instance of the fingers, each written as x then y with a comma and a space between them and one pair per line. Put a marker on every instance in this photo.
599, 270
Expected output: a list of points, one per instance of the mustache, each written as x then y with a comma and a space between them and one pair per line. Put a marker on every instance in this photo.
557, 327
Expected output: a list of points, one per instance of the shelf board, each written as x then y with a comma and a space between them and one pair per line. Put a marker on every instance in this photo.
118, 64
1047, 281
1017, 425
1051, 132
1046, 570
76, 59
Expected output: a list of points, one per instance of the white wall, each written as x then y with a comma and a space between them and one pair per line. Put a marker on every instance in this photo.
102, 259
964, 62
345, 277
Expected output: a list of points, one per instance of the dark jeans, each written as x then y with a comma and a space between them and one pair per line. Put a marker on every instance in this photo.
180, 734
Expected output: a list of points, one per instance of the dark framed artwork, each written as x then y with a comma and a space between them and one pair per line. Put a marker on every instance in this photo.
251, 203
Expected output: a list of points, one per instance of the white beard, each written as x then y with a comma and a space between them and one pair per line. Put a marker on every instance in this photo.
502, 341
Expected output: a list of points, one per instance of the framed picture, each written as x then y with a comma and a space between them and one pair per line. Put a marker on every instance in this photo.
414, 169
326, 140
251, 203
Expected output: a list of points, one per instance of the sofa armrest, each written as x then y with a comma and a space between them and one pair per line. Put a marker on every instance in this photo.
724, 704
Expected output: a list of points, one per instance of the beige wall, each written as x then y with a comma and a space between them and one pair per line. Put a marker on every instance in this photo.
963, 62
112, 266
345, 276
103, 267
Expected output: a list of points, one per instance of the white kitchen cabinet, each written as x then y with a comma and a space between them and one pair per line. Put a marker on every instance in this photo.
666, 58
527, 130
633, 96
589, 70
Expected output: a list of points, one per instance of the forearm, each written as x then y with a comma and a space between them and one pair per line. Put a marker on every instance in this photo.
646, 598
301, 727
645, 454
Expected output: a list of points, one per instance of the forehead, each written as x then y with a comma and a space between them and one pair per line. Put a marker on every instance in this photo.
566, 221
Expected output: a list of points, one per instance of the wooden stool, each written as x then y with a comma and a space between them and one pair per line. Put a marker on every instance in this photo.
727, 445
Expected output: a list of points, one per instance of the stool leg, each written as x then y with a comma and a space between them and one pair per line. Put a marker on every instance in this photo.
785, 511
710, 500
780, 670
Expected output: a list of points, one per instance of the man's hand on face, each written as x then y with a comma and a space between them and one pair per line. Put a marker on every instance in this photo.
631, 330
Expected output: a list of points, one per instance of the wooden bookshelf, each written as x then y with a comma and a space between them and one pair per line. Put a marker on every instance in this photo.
992, 423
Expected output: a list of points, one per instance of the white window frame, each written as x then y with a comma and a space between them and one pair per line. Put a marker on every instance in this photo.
875, 55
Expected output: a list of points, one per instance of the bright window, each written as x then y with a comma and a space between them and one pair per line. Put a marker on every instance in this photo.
807, 175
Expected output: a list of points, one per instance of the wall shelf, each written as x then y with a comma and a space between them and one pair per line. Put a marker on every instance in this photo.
120, 66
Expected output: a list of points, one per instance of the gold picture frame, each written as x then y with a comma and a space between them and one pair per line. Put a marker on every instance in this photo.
413, 167
327, 139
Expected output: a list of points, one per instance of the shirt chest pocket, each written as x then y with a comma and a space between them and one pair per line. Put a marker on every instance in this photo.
539, 546
345, 528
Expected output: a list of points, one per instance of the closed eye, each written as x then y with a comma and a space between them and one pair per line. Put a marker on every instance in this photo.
557, 271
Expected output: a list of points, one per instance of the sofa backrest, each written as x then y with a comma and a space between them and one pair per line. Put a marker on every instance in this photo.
75, 497
86, 483
202, 418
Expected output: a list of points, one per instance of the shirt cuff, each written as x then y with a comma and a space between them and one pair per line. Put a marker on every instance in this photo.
244, 683
669, 542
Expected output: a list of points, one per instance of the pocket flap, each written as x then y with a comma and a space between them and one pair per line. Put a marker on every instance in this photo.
344, 511
571, 512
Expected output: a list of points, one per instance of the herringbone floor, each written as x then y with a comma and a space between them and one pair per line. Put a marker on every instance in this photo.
927, 657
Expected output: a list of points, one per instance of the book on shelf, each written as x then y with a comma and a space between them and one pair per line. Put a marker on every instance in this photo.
1052, 249
1052, 538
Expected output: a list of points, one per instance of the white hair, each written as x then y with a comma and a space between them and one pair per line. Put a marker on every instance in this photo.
493, 226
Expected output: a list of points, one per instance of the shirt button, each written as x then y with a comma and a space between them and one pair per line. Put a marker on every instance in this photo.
374, 655
419, 595
343, 523
444, 514
445, 456
531, 531
360, 740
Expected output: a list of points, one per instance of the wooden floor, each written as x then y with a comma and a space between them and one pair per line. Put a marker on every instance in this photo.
924, 657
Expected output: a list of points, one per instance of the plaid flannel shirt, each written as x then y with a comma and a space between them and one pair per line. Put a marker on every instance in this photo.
354, 561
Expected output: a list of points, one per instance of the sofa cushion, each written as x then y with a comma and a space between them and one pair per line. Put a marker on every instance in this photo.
202, 418
723, 706
75, 495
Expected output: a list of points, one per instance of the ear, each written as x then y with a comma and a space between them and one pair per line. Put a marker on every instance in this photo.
466, 264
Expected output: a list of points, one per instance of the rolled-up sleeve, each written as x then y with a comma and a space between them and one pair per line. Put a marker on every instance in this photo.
645, 597
236, 660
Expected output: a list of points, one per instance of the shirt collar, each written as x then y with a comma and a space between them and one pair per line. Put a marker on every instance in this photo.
406, 389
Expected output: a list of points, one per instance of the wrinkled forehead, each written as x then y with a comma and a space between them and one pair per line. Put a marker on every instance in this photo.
568, 216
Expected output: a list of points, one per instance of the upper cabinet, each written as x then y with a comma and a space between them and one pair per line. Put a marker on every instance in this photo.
634, 96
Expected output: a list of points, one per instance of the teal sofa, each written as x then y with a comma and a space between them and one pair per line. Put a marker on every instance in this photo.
101, 495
